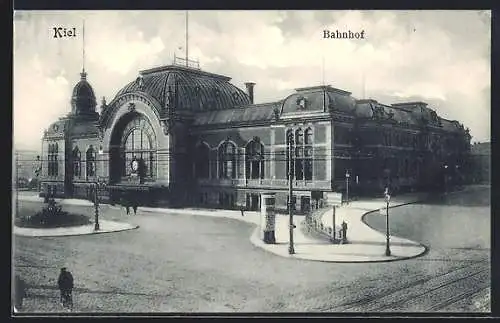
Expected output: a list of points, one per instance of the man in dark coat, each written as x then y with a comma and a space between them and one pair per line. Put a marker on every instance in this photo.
65, 283
135, 205
20, 292
124, 201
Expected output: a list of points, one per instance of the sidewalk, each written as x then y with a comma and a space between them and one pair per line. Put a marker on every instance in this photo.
104, 227
365, 244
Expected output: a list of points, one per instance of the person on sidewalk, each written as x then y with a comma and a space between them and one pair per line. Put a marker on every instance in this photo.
344, 232
20, 293
135, 205
242, 209
65, 284
125, 203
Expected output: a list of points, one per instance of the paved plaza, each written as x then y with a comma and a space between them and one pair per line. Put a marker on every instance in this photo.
213, 260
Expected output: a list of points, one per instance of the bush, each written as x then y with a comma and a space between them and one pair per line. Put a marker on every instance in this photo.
52, 216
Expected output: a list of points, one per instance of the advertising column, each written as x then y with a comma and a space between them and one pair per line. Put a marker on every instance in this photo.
268, 217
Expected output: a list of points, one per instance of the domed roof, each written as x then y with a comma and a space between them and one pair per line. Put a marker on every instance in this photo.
56, 128
196, 90
364, 108
83, 101
318, 99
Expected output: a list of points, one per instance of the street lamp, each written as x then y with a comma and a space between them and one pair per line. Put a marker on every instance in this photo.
17, 183
97, 184
347, 175
387, 199
291, 249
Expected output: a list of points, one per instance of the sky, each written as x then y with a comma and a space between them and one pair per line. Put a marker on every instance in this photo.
440, 57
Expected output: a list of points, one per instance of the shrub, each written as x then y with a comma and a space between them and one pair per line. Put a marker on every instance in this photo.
52, 216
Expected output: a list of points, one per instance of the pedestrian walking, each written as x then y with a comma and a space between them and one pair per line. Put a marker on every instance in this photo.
344, 232
65, 284
19, 293
242, 209
135, 205
125, 203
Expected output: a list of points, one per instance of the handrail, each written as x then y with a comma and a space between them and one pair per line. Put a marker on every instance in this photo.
314, 225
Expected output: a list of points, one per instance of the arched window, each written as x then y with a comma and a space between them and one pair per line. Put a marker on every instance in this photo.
90, 162
308, 154
308, 137
299, 137
49, 160
254, 160
77, 163
227, 160
299, 154
302, 153
138, 145
52, 160
56, 162
202, 161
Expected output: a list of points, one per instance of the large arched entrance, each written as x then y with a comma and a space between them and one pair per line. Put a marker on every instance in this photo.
132, 138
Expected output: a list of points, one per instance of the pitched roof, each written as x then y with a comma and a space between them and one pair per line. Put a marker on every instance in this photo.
249, 113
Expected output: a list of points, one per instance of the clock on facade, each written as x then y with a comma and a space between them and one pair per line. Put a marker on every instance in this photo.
134, 165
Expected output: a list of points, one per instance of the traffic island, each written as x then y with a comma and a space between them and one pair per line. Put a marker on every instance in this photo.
355, 251
49, 217
105, 227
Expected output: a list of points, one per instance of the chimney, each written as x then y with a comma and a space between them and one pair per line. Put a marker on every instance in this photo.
250, 86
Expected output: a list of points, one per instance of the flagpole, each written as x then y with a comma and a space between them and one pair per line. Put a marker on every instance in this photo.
323, 81
83, 47
187, 34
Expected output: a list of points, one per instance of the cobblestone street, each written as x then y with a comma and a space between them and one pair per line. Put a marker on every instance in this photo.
188, 263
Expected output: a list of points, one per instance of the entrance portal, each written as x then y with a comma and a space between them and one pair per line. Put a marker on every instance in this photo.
133, 138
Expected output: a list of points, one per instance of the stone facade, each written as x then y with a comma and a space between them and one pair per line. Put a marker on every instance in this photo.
199, 140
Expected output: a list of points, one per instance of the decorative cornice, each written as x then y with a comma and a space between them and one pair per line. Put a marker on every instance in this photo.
167, 125
277, 114
117, 102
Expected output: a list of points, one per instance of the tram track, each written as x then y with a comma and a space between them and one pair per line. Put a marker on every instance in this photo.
445, 303
393, 306
376, 302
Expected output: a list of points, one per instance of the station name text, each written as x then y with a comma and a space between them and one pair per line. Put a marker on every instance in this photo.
63, 32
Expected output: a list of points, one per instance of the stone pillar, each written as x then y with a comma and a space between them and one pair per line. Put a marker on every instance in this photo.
268, 217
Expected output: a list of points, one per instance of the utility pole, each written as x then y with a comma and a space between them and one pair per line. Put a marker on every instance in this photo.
333, 225
96, 205
347, 175
387, 237
17, 183
291, 249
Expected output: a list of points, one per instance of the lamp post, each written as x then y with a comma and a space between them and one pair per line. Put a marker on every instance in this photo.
97, 185
291, 249
387, 237
96, 205
17, 183
347, 175
333, 225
